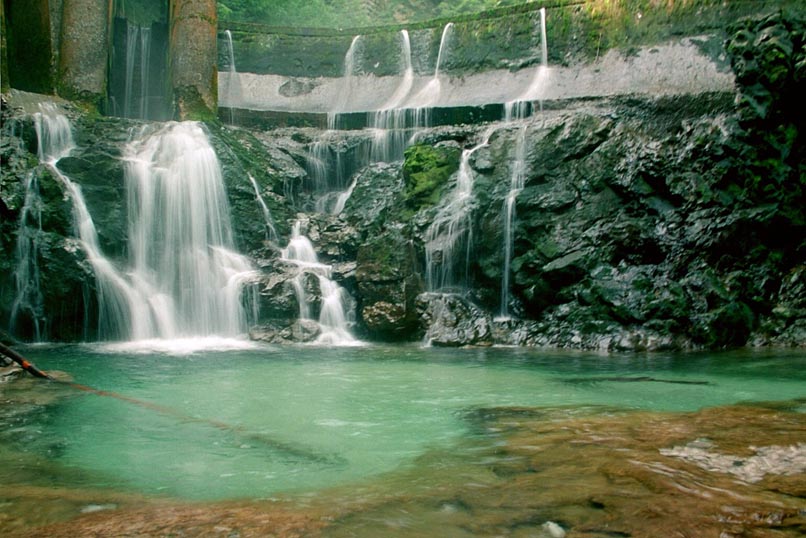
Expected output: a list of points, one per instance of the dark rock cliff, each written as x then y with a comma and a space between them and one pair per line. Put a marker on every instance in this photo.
643, 223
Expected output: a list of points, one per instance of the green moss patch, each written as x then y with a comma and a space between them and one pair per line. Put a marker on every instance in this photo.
426, 171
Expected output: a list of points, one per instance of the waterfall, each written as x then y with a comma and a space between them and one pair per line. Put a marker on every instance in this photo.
231, 91
54, 140
137, 53
131, 51
145, 58
231, 51
271, 230
341, 200
183, 277
333, 319
138, 39
518, 176
428, 96
348, 80
326, 167
517, 111
328, 172
451, 229
389, 122
181, 255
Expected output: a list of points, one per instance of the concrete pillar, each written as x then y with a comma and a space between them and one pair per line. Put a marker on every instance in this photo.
84, 50
194, 58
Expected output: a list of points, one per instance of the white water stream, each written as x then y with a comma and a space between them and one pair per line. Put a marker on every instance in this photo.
271, 229
326, 166
182, 257
54, 141
183, 278
389, 122
451, 229
333, 319
518, 111
231, 92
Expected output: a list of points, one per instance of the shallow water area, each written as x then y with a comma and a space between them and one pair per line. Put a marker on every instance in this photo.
346, 427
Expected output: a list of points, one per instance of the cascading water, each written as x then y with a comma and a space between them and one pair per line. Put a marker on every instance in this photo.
428, 96
183, 278
516, 186
326, 167
517, 111
451, 229
137, 68
271, 230
389, 122
145, 59
55, 138
342, 198
348, 82
131, 51
333, 318
26, 275
180, 243
54, 141
138, 45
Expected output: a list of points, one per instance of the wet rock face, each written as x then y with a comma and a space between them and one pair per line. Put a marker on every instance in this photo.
388, 285
451, 321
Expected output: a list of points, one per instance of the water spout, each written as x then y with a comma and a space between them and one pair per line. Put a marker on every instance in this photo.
232, 89
348, 81
389, 122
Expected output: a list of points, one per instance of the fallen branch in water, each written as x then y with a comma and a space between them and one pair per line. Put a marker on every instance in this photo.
638, 379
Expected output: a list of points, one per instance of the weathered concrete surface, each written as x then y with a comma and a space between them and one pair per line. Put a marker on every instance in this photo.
4, 84
84, 50
680, 67
193, 58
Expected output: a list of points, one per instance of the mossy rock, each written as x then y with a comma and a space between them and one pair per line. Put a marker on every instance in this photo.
426, 171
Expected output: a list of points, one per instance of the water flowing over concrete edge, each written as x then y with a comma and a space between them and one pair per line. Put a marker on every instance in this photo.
678, 67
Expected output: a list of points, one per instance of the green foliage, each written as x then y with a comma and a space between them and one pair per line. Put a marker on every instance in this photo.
348, 13
315, 13
426, 170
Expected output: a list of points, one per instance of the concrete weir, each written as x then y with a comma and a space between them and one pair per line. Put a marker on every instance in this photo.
677, 67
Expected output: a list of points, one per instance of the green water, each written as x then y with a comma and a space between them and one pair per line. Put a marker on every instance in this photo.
305, 418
